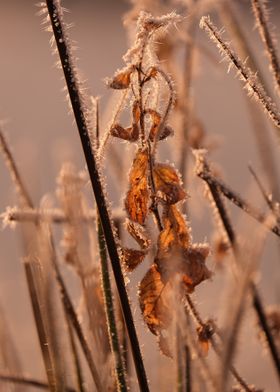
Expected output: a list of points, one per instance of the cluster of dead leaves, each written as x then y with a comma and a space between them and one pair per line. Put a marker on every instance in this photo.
178, 262
176, 255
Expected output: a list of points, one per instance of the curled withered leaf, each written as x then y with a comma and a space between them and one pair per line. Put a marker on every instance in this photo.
193, 266
156, 120
154, 301
137, 198
167, 184
136, 111
176, 254
204, 334
165, 132
139, 234
175, 233
131, 133
132, 258
122, 79
152, 73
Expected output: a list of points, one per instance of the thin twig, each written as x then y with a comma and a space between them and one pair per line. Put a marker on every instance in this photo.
261, 16
61, 38
237, 200
252, 83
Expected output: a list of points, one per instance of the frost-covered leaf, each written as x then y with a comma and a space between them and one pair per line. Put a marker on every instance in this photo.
167, 183
132, 258
131, 133
153, 301
137, 198
121, 80
194, 268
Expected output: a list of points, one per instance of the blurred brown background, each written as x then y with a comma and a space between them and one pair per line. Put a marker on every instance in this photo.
35, 119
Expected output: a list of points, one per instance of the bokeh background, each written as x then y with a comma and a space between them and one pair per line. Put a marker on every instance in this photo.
35, 118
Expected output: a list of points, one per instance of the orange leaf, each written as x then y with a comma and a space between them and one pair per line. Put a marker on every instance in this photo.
156, 120
194, 267
136, 112
136, 202
122, 79
176, 254
153, 301
132, 258
131, 133
175, 234
167, 183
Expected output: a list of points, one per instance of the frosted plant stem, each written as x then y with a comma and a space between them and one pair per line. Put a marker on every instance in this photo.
55, 11
261, 17
251, 81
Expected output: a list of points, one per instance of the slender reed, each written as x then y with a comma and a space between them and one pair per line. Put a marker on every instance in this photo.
261, 16
251, 81
55, 14
236, 199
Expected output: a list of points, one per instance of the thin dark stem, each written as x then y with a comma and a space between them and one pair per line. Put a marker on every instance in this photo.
73, 89
218, 185
260, 13
30, 382
188, 367
269, 202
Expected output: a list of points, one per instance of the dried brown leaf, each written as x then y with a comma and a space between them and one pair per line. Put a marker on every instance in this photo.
193, 266
153, 303
139, 234
157, 305
175, 235
132, 258
176, 254
122, 79
137, 198
131, 133
167, 184
136, 112
156, 120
